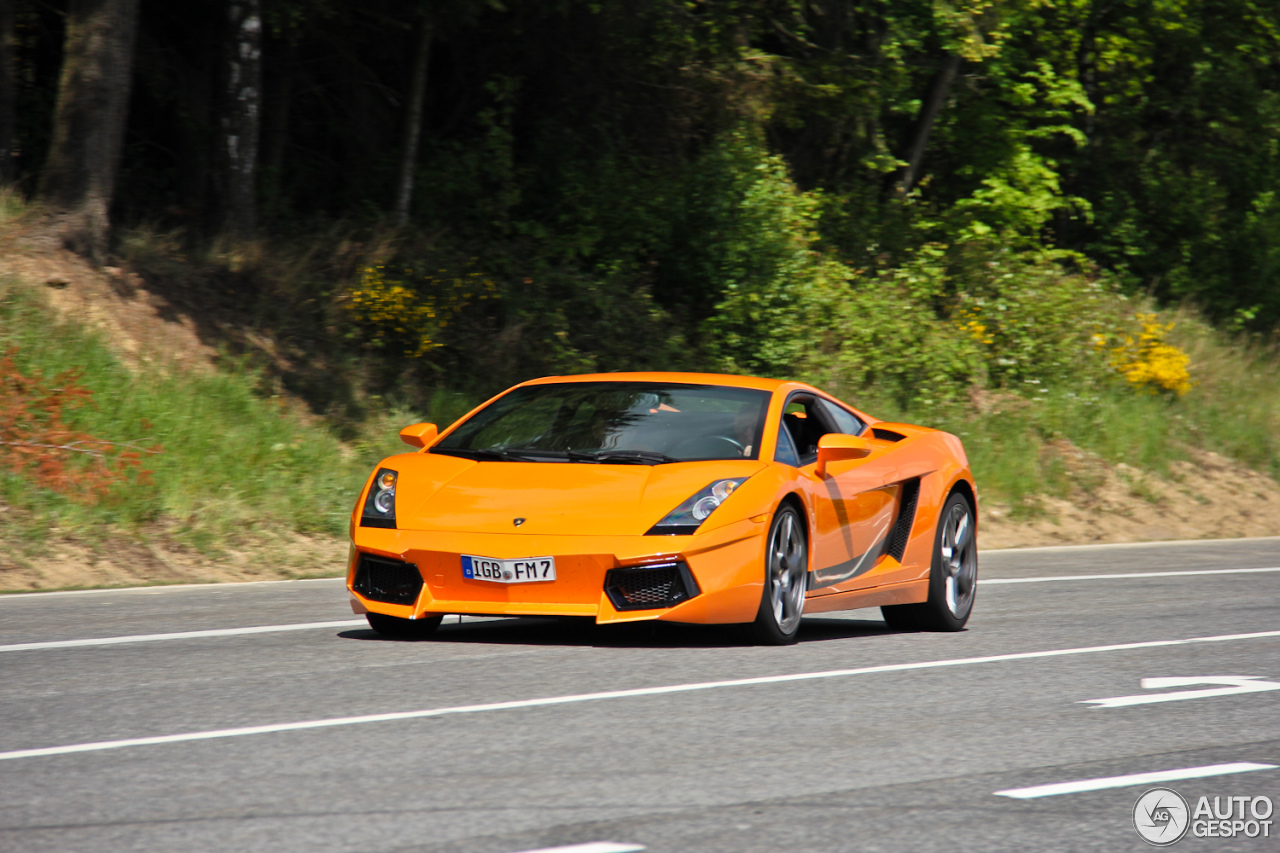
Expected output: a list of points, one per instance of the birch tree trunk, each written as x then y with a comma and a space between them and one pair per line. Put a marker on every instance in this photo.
8, 92
413, 121
88, 123
241, 118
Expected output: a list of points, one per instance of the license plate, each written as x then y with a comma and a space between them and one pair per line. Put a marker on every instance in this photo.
528, 570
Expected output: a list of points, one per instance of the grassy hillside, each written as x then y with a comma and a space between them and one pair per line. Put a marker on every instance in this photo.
217, 460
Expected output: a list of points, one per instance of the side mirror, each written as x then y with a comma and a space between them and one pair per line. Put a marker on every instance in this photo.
836, 447
419, 435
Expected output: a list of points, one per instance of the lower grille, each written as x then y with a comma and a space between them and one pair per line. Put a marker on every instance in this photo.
386, 580
650, 587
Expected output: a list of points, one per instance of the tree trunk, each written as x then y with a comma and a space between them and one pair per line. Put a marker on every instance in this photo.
413, 121
8, 92
241, 117
939, 90
89, 122
1087, 71
275, 129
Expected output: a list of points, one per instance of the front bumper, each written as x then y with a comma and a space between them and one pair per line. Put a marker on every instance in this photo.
725, 565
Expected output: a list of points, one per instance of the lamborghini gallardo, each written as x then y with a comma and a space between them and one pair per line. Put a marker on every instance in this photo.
681, 497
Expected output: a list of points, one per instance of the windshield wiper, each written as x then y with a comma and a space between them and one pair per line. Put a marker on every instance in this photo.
481, 455
621, 457
531, 454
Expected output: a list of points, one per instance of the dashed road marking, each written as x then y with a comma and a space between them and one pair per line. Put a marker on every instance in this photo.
1132, 779
1231, 685
591, 847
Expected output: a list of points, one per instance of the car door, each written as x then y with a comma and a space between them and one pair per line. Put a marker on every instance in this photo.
853, 503
869, 490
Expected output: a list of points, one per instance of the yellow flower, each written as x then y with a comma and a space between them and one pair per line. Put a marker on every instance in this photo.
1149, 362
409, 310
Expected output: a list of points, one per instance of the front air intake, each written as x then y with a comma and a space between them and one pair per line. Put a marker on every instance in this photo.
386, 580
650, 587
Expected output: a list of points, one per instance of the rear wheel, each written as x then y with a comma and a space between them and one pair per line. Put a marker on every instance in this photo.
405, 629
953, 579
786, 579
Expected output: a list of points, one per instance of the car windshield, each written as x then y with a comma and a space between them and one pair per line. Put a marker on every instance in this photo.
645, 423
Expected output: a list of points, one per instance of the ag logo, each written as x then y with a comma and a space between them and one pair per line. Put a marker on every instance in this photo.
1161, 816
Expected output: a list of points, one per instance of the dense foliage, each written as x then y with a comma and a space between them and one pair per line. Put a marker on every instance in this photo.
913, 197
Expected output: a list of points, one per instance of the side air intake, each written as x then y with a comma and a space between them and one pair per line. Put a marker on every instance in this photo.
887, 434
901, 531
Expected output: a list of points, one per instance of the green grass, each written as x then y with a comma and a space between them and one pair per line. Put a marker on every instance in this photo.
232, 463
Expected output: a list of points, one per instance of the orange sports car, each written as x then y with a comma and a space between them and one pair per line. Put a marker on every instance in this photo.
683, 497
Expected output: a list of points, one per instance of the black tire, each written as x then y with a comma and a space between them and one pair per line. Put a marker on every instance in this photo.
901, 617
786, 579
953, 578
403, 629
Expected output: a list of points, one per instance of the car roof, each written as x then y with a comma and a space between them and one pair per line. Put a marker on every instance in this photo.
724, 379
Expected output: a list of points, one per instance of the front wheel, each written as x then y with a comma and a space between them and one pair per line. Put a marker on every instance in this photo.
403, 629
953, 579
786, 579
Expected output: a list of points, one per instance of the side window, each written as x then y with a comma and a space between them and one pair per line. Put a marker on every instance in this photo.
845, 421
806, 422
786, 452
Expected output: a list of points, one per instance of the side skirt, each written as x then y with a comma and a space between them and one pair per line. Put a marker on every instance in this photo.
911, 592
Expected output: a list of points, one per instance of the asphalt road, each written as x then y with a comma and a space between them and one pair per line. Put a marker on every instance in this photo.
857, 738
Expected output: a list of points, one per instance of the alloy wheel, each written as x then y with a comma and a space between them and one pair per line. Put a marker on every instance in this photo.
959, 560
788, 573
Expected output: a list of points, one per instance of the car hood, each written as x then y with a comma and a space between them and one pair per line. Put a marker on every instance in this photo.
447, 493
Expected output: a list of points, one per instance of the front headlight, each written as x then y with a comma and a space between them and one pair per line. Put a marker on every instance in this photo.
380, 505
688, 517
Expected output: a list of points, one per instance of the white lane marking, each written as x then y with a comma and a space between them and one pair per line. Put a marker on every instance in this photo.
1097, 546
266, 629
618, 694
1125, 575
1132, 779
212, 632
158, 588
180, 635
591, 847
153, 590
1234, 684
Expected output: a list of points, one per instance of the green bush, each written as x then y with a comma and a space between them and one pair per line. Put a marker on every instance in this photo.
755, 259
883, 335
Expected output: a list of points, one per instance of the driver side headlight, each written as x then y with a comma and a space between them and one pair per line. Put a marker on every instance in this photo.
688, 517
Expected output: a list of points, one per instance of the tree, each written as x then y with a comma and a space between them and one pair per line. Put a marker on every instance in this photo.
930, 106
8, 92
89, 121
432, 16
413, 118
241, 117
